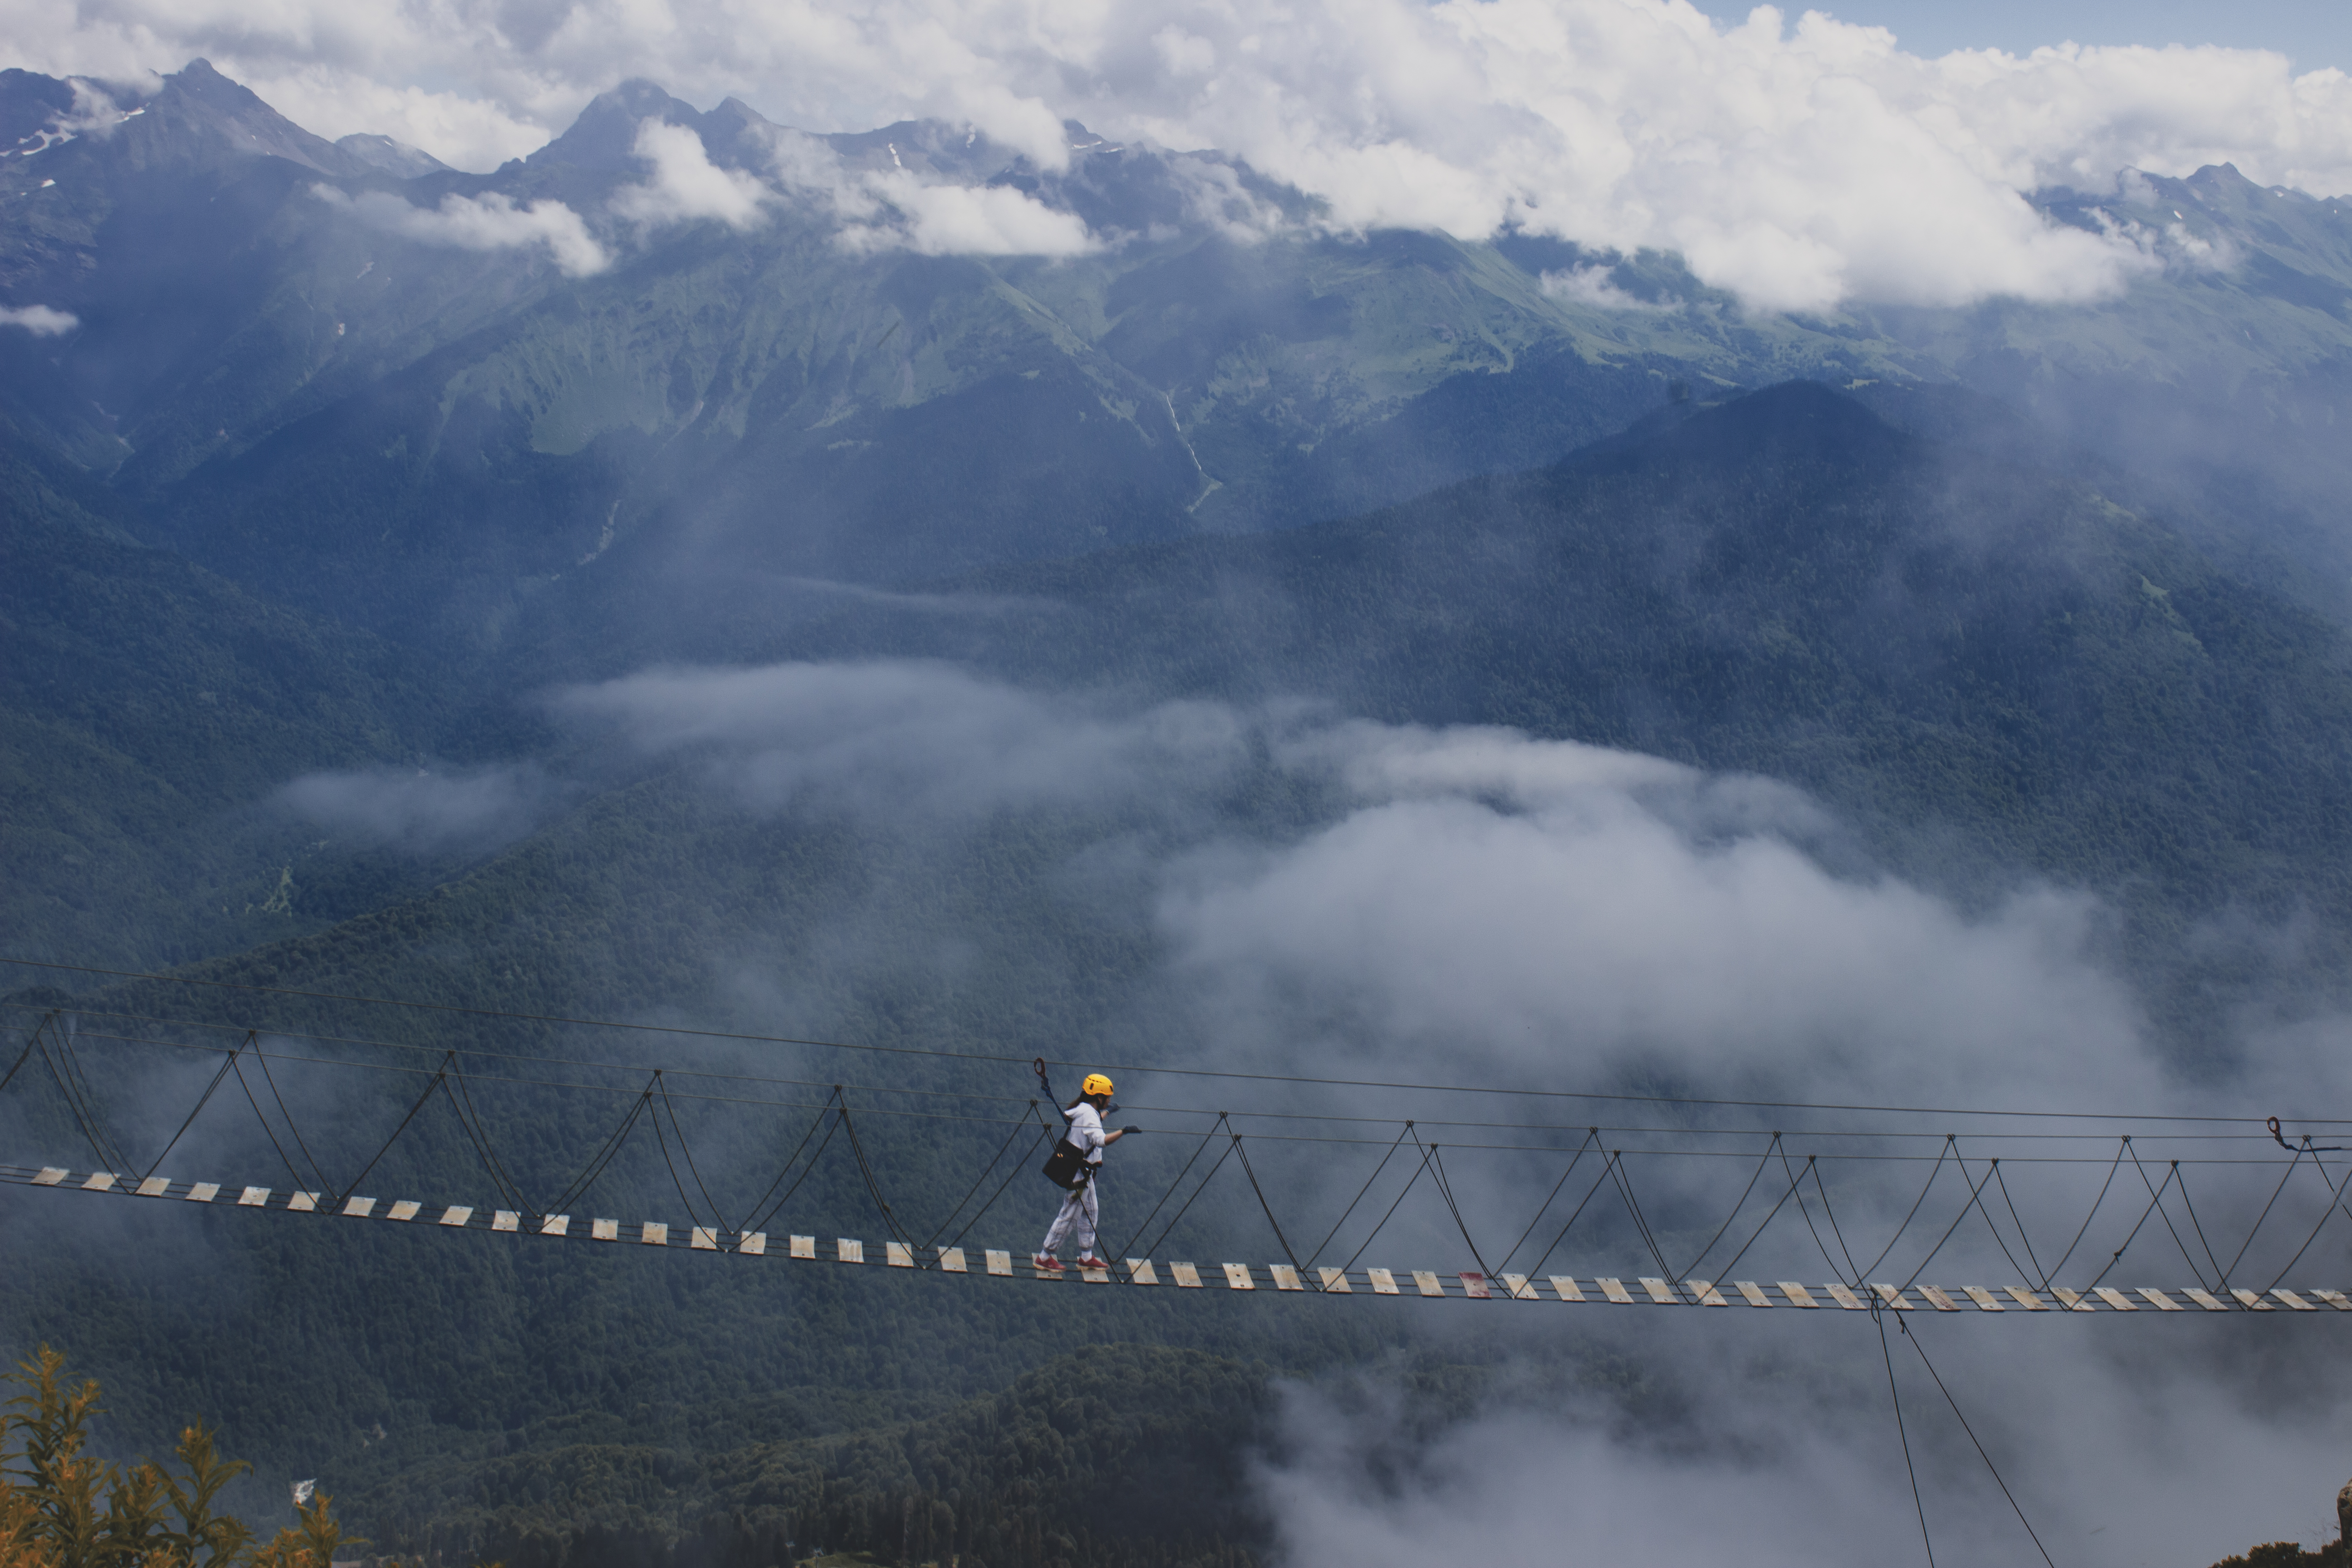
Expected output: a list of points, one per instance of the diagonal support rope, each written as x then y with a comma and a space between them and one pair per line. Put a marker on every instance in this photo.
1252, 1174
1744, 1192
1318, 1253
1608, 1164
1171, 1193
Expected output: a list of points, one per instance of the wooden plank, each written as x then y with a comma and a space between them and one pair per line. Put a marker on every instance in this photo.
205, 1191
1094, 1275
1237, 1276
1752, 1292
1844, 1297
1566, 1287
2115, 1299
458, 1216
1427, 1283
1936, 1299
805, 1247
1382, 1281
2336, 1299
1796, 1295
952, 1260
100, 1182
1516, 1284
1335, 1280
2252, 1301
2073, 1299
2159, 1300
506, 1219
253, 1198
754, 1245
654, 1233
1893, 1295
1286, 1277
302, 1202
600, 1229
1616, 1291
1708, 1296
2026, 1298
2205, 1300
1474, 1285
1985, 1299
1187, 1278
555, 1225
1141, 1272
1661, 1292
156, 1186
51, 1175
999, 1263
898, 1255
2293, 1301
848, 1249
702, 1239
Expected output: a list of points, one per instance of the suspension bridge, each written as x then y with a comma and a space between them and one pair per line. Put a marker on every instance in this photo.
1785, 1189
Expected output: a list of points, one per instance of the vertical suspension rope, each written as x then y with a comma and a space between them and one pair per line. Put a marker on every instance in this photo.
1877, 1317
1904, 1324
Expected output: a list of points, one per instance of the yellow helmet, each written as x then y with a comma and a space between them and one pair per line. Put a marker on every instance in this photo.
1096, 1084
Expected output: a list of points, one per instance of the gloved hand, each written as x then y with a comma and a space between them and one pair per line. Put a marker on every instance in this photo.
1131, 1130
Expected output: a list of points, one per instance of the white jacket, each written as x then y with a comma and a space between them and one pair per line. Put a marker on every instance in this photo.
1086, 1131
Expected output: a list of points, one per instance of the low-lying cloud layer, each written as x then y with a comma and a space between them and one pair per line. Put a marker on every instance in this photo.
418, 810
1796, 162
41, 321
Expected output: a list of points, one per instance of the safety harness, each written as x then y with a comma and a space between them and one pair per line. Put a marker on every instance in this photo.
1066, 1166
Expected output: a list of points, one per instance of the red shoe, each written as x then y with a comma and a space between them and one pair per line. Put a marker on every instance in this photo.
1046, 1262
1091, 1261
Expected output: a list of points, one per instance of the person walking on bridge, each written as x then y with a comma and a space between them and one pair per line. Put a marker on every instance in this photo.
1076, 1166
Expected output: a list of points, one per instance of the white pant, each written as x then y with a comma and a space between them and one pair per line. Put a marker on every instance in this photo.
1079, 1211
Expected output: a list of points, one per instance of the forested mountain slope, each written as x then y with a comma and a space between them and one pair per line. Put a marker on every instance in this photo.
1990, 660
146, 707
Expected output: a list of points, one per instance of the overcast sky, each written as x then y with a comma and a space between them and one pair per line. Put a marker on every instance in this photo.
2312, 33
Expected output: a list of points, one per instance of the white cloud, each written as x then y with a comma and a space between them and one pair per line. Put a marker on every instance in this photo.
1594, 285
886, 738
419, 810
1757, 1442
1797, 163
1564, 911
41, 321
965, 220
687, 184
892, 209
487, 222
